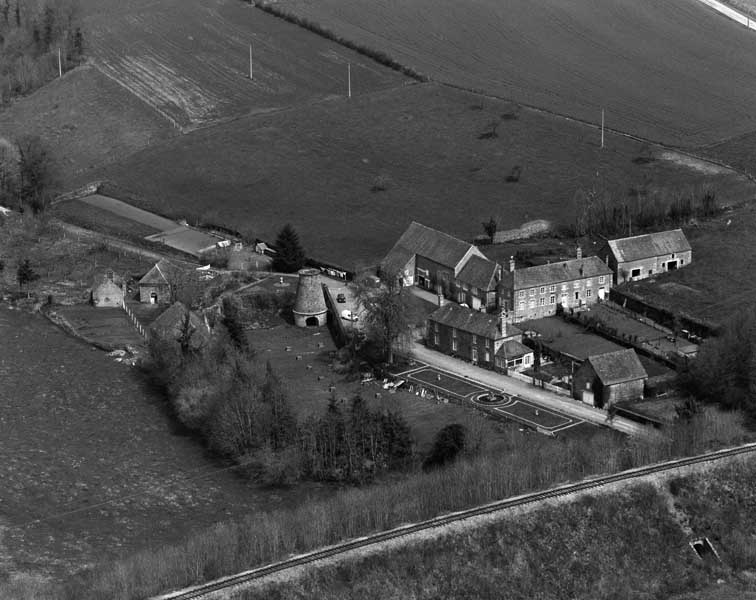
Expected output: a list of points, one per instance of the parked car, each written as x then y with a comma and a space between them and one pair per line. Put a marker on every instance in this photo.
341, 298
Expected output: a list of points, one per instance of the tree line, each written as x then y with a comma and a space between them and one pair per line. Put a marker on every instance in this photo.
216, 390
32, 33
27, 174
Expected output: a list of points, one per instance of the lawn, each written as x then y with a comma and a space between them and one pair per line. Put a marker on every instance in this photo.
315, 166
643, 62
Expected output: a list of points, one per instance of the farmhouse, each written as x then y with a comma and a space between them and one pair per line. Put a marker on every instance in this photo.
642, 256
107, 290
604, 379
155, 286
437, 261
484, 339
537, 292
172, 325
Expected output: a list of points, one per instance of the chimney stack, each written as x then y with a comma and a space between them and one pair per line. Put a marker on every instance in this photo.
503, 318
511, 264
579, 253
498, 272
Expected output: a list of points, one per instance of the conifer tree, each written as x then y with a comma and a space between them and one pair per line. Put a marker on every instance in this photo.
290, 256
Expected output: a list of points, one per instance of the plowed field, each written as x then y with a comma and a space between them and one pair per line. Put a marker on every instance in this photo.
189, 59
673, 71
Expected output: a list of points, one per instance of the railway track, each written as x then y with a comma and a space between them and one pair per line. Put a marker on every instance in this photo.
231, 581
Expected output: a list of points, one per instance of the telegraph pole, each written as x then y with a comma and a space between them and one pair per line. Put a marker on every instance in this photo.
60, 65
250, 61
349, 80
602, 128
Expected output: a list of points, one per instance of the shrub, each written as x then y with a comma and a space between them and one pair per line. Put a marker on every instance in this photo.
447, 445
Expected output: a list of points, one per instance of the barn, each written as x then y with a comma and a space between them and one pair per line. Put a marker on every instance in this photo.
604, 379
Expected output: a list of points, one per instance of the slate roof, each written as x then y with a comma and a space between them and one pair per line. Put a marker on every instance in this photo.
471, 321
418, 239
160, 273
649, 245
513, 349
479, 272
558, 272
618, 367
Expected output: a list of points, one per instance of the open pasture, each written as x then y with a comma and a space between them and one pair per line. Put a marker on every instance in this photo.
671, 71
189, 59
428, 146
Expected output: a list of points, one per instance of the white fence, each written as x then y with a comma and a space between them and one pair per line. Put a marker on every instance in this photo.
134, 320
541, 384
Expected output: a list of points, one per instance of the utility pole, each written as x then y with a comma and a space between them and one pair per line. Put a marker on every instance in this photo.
349, 80
602, 128
60, 65
250, 61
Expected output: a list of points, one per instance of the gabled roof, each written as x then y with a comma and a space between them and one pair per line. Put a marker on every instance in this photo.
513, 349
618, 367
649, 245
104, 277
552, 273
168, 325
161, 273
479, 272
421, 240
471, 321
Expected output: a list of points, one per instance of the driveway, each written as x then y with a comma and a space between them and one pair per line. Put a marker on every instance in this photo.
490, 379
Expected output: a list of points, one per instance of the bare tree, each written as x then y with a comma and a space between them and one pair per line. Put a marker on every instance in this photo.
387, 316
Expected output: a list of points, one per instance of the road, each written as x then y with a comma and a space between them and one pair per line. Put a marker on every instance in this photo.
497, 381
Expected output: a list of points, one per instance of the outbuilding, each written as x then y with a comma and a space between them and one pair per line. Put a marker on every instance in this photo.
643, 256
107, 290
604, 379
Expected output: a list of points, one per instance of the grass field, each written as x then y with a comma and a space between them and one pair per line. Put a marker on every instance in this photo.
673, 71
189, 59
85, 120
85, 215
316, 166
715, 285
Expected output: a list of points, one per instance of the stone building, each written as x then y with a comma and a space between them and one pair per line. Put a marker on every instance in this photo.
487, 340
108, 290
646, 255
310, 307
437, 261
155, 286
537, 292
607, 378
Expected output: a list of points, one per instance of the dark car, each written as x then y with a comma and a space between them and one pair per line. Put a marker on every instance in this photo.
341, 298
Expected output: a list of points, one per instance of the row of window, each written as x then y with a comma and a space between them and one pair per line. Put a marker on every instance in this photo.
552, 299
552, 288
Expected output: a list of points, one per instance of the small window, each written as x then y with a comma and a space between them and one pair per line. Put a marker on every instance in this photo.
521, 294
475, 354
588, 293
435, 339
650, 271
454, 345
454, 333
474, 339
635, 273
552, 288
682, 261
542, 290
542, 301
488, 356
532, 292
552, 299
601, 279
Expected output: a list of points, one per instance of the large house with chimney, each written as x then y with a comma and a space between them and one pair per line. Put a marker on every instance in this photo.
488, 340
437, 261
642, 256
539, 291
